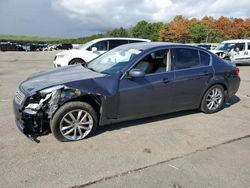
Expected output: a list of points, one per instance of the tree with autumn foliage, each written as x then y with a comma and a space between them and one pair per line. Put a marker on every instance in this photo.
180, 29
207, 29
177, 30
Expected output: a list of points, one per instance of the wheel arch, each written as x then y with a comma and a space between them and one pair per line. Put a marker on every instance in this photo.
223, 84
76, 58
94, 100
68, 94
218, 80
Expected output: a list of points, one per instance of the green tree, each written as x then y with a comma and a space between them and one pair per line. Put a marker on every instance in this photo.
146, 30
118, 32
154, 30
200, 31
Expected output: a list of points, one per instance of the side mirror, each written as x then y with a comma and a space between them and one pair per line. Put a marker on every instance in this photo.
237, 49
94, 49
136, 73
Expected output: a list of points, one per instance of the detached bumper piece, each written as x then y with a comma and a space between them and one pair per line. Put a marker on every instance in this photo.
30, 124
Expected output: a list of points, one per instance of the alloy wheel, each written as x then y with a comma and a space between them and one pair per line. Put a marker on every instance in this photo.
76, 125
214, 99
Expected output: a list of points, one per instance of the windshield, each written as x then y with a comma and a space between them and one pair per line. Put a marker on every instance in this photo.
113, 61
225, 46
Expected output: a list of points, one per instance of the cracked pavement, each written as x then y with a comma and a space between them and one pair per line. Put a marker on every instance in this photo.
185, 149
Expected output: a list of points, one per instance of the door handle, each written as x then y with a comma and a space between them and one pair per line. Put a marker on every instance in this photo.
205, 73
165, 80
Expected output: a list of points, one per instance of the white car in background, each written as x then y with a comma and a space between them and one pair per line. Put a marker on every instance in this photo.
91, 50
237, 51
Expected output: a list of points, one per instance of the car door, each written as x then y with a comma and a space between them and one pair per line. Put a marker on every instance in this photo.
148, 95
240, 54
192, 70
248, 52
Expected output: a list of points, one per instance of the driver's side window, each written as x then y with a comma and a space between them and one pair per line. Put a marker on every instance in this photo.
240, 46
101, 46
155, 62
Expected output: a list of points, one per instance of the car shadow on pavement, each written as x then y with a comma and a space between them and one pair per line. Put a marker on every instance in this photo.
233, 100
144, 121
243, 65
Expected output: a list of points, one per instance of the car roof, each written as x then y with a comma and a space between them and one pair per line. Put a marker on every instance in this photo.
236, 41
121, 38
150, 45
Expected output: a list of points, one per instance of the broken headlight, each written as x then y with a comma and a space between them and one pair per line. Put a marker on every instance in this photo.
49, 96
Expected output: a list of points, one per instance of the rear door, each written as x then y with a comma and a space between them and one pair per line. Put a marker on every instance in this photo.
192, 69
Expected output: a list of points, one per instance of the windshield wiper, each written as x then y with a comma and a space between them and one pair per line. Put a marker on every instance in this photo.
91, 69
86, 66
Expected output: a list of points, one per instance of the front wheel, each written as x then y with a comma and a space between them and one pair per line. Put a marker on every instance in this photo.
77, 61
213, 100
73, 121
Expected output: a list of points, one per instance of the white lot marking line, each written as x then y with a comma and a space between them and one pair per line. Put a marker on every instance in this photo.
5, 100
173, 167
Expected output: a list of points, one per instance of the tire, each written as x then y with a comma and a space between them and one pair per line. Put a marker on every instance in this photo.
76, 61
213, 100
67, 128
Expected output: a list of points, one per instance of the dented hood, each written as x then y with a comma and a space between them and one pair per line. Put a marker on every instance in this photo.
58, 76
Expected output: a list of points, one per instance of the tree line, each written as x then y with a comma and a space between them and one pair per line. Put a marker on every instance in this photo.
180, 29
183, 30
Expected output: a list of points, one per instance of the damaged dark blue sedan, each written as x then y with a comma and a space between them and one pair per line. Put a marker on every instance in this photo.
129, 82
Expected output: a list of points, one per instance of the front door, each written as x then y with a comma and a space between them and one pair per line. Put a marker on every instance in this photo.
148, 95
241, 54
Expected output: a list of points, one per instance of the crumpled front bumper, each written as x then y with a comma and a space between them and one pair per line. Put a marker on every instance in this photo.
23, 122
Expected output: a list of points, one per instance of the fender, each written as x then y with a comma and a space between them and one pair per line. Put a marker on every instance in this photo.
217, 79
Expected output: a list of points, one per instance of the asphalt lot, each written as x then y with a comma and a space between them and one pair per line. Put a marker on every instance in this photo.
186, 149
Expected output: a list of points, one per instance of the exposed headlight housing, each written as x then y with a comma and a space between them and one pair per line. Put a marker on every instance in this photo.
50, 89
51, 94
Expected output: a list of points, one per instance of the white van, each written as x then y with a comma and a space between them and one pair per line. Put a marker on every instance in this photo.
91, 50
238, 51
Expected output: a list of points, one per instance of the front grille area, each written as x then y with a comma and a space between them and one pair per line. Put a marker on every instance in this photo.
19, 97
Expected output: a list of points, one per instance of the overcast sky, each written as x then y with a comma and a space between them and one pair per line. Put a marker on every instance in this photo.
75, 18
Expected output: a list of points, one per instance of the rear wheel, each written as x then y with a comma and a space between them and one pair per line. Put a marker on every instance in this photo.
213, 100
74, 121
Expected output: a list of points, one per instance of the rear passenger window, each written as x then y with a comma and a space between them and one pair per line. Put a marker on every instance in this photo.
134, 41
115, 43
249, 46
184, 58
204, 58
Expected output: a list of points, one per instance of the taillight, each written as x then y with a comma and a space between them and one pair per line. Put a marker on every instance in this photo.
237, 70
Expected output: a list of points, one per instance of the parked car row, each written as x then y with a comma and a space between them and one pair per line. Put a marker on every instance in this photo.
10, 46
